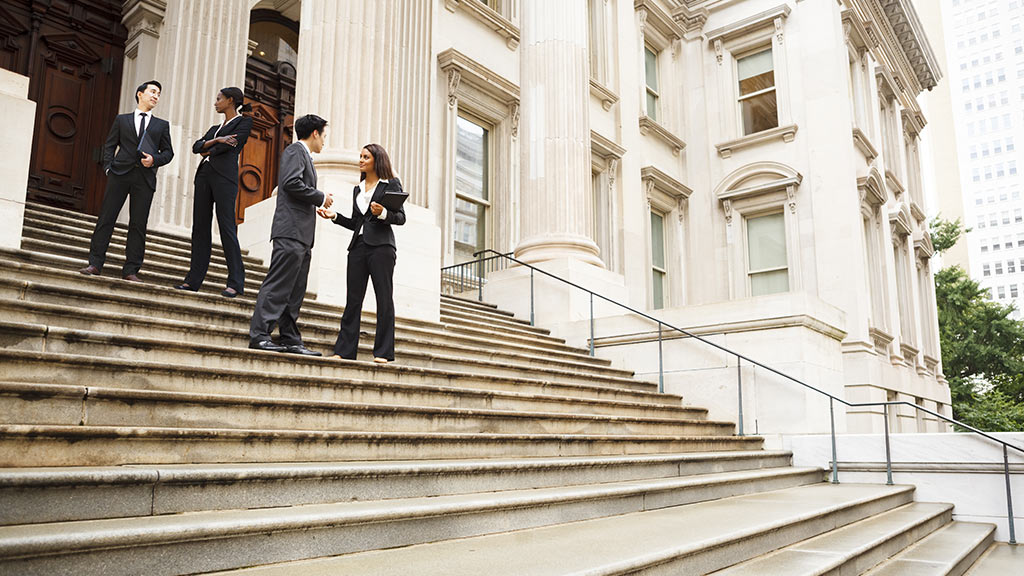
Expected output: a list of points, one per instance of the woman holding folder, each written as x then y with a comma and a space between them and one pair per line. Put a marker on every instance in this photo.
371, 253
216, 186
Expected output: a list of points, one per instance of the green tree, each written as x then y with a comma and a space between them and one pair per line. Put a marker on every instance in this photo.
982, 345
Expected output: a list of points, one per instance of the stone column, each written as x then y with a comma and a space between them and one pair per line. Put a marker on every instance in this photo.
17, 115
143, 19
555, 132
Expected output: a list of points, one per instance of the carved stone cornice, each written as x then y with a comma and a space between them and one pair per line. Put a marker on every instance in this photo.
652, 15
462, 69
691, 20
650, 127
910, 34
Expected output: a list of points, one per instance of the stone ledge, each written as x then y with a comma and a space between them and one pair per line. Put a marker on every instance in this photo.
648, 127
785, 133
491, 18
604, 94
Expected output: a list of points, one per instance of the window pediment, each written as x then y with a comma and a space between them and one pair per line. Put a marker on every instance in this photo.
664, 191
872, 188
771, 18
461, 68
653, 17
899, 219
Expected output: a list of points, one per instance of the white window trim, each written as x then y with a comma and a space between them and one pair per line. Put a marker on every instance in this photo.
605, 155
735, 41
659, 32
776, 189
476, 91
669, 197
502, 21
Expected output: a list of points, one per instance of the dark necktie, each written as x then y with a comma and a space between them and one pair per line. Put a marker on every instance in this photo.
142, 125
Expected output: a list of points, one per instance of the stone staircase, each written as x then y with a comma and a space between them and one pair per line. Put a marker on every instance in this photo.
139, 435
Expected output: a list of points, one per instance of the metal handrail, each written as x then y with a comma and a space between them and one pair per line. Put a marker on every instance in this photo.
739, 357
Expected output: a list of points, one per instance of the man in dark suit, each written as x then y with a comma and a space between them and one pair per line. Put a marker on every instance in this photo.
131, 165
284, 287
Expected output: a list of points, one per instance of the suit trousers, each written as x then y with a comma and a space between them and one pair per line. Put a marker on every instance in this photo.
282, 292
376, 263
214, 191
132, 185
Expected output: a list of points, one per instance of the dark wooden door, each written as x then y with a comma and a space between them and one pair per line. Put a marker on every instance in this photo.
73, 54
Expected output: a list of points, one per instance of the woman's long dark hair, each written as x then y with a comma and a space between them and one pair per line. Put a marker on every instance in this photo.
237, 97
381, 162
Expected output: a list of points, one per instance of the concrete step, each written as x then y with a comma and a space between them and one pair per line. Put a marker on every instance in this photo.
87, 223
193, 542
365, 383
29, 271
1001, 559
121, 445
35, 495
478, 314
502, 326
947, 552
693, 539
473, 304
232, 330
169, 270
97, 406
37, 227
53, 339
852, 549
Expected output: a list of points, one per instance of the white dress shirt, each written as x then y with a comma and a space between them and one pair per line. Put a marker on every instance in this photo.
364, 196
310, 153
138, 119
217, 133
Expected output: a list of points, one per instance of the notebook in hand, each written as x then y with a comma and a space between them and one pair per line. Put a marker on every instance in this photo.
393, 199
146, 145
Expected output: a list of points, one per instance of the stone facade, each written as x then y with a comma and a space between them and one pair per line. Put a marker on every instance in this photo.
751, 168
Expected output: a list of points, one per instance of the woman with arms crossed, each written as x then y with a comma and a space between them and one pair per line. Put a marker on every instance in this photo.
371, 254
216, 186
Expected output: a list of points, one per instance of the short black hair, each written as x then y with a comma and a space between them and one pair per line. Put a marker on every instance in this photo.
142, 88
308, 124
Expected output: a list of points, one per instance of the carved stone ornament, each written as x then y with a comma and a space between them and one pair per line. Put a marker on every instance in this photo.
514, 115
791, 195
454, 77
719, 51
613, 166
642, 16
727, 206
778, 29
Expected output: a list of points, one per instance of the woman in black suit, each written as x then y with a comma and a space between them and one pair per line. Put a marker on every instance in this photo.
371, 254
216, 185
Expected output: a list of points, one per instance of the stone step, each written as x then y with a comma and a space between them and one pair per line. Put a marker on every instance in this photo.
38, 225
55, 339
947, 552
168, 271
366, 382
502, 326
479, 305
35, 495
234, 331
122, 445
64, 216
194, 542
692, 539
1001, 559
28, 272
498, 316
56, 242
98, 406
852, 549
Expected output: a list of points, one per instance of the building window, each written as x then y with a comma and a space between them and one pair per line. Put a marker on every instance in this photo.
598, 37
999, 269
986, 270
1010, 267
471, 189
658, 262
767, 265
1002, 292
651, 74
1013, 290
757, 98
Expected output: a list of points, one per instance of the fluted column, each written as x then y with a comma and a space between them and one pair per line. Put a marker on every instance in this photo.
555, 132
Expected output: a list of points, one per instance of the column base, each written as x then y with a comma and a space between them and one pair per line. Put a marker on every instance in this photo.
559, 246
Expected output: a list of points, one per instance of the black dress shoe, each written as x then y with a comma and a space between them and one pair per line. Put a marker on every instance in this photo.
90, 270
184, 286
268, 345
229, 293
300, 349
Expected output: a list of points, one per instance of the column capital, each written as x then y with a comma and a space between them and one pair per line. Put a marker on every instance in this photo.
143, 17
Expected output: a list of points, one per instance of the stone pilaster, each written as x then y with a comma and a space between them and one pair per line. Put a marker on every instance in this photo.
555, 132
143, 19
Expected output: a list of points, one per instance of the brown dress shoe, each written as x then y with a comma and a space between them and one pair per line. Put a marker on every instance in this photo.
132, 278
90, 270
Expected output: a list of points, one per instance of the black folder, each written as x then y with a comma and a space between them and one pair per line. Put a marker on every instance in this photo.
393, 199
146, 145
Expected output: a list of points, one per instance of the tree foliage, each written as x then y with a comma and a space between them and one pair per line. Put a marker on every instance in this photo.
982, 345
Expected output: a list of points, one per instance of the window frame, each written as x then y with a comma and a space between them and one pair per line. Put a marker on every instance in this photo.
488, 182
747, 217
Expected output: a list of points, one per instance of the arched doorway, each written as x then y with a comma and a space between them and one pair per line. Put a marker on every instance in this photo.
72, 54
270, 89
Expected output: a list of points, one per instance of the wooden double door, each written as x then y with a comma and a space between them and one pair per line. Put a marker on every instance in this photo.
73, 54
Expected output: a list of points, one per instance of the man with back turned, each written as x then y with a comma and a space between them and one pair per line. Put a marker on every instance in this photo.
282, 291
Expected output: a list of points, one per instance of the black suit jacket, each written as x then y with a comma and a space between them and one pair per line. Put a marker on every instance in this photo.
121, 150
297, 196
376, 232
222, 157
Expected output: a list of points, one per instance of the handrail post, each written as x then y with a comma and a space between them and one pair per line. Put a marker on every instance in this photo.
661, 364
1009, 499
888, 454
739, 394
591, 323
531, 297
480, 280
835, 461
